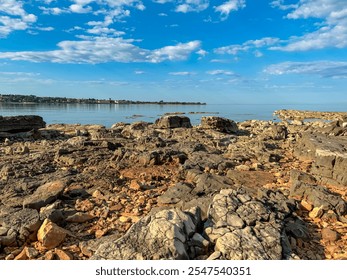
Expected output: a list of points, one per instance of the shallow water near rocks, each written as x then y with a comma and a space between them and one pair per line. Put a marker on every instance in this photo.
108, 114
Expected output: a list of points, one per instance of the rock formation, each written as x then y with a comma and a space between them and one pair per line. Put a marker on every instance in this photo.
169, 190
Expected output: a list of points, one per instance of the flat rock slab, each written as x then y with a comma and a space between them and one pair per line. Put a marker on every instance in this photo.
20, 219
329, 155
44, 195
21, 123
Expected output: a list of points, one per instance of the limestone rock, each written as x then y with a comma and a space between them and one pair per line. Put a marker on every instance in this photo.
79, 217
21, 123
173, 122
329, 235
319, 196
164, 235
219, 124
328, 153
243, 231
63, 255
44, 195
175, 194
278, 132
50, 235
22, 223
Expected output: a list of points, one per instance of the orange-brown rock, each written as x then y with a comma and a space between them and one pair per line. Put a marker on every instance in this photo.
50, 235
63, 255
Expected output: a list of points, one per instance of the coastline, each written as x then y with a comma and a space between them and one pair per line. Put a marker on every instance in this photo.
32, 99
107, 187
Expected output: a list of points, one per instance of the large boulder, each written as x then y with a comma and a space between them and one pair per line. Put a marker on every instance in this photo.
21, 123
164, 235
243, 228
219, 124
173, 122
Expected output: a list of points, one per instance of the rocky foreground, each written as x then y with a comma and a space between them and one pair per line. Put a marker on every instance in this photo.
168, 190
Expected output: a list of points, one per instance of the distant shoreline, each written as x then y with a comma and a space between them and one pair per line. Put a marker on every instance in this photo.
32, 99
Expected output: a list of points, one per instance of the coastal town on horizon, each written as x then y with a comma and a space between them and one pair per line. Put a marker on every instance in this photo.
19, 98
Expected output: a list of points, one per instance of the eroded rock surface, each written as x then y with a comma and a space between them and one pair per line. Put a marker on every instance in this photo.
263, 186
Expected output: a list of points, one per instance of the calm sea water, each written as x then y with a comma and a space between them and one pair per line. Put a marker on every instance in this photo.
108, 114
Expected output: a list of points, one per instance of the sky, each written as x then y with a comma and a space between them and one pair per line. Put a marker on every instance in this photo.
226, 51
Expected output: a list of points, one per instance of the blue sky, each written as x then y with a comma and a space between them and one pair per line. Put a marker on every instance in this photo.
226, 51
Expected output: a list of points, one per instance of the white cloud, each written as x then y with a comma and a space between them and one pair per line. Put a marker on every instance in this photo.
325, 69
52, 11
80, 9
14, 18
27, 74
332, 31
193, 6
186, 6
184, 73
139, 72
227, 7
202, 52
221, 72
179, 52
279, 4
95, 50
247, 46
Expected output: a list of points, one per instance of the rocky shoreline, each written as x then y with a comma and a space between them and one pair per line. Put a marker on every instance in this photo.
170, 190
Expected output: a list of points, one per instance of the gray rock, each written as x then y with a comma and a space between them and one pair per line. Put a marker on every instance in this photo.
44, 195
219, 124
22, 223
243, 231
173, 122
319, 196
175, 194
278, 132
21, 123
299, 176
206, 183
329, 156
164, 235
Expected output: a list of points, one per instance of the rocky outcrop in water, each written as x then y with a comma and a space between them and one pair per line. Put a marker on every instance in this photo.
20, 123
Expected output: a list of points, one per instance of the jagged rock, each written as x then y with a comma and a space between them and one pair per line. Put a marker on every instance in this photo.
206, 183
21, 123
329, 156
243, 231
219, 124
50, 235
319, 196
175, 194
135, 129
22, 223
44, 195
297, 176
278, 132
173, 122
164, 235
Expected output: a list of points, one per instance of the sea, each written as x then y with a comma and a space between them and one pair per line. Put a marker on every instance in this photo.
109, 114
